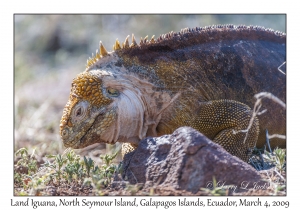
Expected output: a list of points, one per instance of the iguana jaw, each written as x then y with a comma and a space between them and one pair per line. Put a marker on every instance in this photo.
76, 140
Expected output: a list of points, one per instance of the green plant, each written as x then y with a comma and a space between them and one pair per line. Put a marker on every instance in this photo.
72, 157
215, 190
89, 164
64, 169
278, 158
21, 193
17, 178
107, 159
70, 170
108, 169
102, 176
133, 189
73, 167
27, 161
59, 161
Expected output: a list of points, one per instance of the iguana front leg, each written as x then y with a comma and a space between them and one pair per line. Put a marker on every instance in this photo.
223, 121
226, 123
127, 147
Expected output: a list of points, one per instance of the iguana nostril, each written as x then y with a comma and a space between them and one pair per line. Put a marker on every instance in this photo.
65, 133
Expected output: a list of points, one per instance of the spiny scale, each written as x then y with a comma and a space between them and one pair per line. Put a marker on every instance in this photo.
146, 39
152, 39
133, 41
126, 44
98, 56
103, 51
117, 45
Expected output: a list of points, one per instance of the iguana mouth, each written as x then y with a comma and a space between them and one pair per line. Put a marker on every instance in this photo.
81, 140
78, 143
91, 130
77, 140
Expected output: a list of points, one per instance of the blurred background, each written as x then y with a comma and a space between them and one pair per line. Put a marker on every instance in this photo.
50, 50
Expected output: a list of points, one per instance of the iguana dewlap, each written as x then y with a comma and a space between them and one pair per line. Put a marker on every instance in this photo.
205, 78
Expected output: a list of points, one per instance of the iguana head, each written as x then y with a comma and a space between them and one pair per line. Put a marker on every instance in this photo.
86, 105
103, 106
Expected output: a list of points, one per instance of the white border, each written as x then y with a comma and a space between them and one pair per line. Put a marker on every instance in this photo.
254, 6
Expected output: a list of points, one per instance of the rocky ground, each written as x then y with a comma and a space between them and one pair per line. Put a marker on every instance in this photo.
183, 163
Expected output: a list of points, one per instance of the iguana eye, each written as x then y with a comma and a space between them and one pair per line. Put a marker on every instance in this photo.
79, 112
113, 92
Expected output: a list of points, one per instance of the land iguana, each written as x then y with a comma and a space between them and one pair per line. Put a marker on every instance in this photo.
205, 78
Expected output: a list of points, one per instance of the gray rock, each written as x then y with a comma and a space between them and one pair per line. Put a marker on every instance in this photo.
186, 160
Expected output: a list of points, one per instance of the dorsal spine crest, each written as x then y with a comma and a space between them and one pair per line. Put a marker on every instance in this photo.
174, 35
